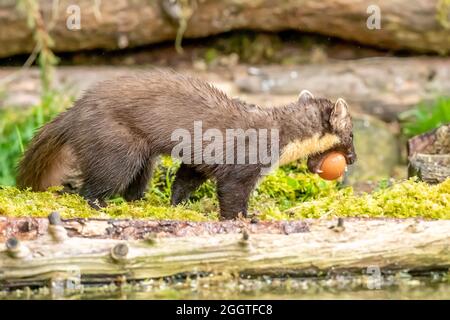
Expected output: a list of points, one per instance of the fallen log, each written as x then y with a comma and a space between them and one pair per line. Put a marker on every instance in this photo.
417, 25
354, 246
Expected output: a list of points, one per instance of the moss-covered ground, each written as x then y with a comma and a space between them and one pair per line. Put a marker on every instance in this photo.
288, 193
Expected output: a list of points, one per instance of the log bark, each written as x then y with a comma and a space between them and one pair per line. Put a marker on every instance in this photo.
431, 168
436, 141
405, 24
354, 246
126, 229
429, 155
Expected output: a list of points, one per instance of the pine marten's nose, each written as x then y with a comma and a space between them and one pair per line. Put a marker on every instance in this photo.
351, 158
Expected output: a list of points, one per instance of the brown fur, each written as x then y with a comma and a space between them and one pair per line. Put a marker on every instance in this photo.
109, 140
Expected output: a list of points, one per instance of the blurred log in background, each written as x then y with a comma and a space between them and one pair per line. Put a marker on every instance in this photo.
415, 25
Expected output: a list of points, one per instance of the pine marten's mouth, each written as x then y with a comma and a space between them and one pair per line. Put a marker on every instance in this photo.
315, 161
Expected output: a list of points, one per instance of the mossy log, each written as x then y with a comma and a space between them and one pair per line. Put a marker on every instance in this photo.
418, 25
317, 247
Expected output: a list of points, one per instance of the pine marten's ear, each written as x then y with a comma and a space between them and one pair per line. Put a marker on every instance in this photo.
339, 115
305, 96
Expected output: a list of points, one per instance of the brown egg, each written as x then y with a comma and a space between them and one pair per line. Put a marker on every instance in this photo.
333, 166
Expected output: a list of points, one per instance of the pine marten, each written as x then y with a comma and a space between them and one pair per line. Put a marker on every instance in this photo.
108, 142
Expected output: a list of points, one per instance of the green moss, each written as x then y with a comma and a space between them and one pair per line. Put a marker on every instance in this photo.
251, 47
401, 200
210, 55
443, 13
39, 204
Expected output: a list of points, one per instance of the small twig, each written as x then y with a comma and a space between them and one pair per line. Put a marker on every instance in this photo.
28, 63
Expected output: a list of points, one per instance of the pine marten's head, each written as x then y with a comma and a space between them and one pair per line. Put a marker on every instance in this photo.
336, 133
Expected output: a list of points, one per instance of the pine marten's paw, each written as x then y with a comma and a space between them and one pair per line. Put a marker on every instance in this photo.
97, 204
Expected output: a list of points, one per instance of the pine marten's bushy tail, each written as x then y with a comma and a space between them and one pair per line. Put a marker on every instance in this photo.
44, 154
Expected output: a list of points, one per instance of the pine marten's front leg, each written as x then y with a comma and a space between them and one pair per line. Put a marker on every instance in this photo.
234, 190
187, 180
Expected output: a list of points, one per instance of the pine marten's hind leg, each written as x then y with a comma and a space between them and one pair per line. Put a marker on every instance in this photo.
139, 184
187, 180
107, 172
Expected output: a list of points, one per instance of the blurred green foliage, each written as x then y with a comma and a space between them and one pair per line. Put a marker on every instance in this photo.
17, 127
43, 42
443, 13
250, 47
426, 117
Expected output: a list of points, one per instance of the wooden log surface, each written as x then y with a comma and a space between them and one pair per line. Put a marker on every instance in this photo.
431, 168
436, 141
354, 246
133, 229
405, 24
429, 155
